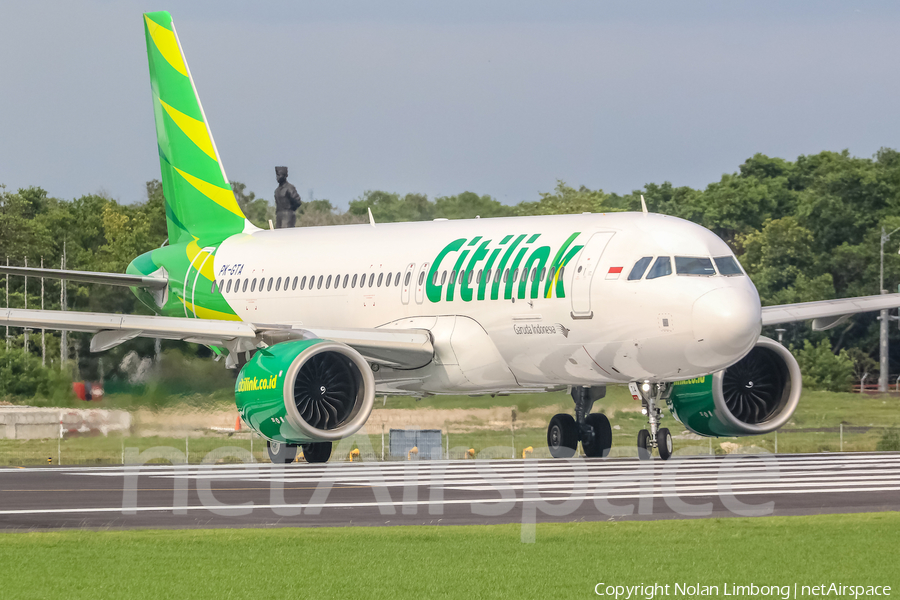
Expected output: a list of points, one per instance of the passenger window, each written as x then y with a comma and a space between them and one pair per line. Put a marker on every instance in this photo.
353, 282
371, 279
543, 272
346, 279
294, 284
480, 272
303, 283
434, 279
319, 283
278, 284
637, 271
444, 278
452, 276
422, 277
237, 286
228, 289
562, 271
328, 282
362, 280
397, 279
244, 289
406, 279
505, 275
380, 278
661, 268
516, 274
469, 275
222, 285
212, 290
727, 266
694, 265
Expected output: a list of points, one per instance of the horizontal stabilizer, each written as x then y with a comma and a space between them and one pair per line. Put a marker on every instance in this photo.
153, 283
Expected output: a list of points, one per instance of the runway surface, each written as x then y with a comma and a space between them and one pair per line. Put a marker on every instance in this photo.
445, 492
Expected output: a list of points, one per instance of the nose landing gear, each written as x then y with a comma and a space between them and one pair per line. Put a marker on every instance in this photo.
592, 429
651, 395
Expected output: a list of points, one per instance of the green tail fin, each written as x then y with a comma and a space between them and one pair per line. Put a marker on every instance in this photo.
199, 200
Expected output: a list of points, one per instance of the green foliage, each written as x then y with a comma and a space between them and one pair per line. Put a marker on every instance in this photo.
258, 210
568, 200
889, 442
22, 378
822, 369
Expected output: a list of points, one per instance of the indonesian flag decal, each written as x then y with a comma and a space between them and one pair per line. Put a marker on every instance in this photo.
613, 272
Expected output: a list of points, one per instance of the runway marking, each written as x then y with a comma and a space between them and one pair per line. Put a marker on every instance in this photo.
484, 501
533, 480
693, 461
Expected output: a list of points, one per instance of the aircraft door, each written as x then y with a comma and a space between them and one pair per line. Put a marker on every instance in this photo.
588, 261
408, 282
420, 283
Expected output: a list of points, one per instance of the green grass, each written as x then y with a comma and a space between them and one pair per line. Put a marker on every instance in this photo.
566, 561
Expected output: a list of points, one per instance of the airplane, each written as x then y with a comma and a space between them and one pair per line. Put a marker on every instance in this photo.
320, 319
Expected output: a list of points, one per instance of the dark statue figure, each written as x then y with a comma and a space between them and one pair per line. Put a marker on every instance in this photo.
287, 200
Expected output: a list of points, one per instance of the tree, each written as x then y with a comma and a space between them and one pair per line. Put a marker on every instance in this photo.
863, 366
824, 370
566, 200
257, 210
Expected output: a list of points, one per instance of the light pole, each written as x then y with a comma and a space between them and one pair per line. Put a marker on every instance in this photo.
883, 344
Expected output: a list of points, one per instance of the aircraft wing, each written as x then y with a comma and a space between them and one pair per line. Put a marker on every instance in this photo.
826, 314
398, 348
154, 283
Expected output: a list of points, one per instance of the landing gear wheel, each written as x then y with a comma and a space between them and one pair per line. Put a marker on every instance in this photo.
317, 452
664, 443
562, 436
280, 453
643, 444
599, 441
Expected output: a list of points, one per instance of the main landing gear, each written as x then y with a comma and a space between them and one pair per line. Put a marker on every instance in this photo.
591, 429
651, 395
315, 452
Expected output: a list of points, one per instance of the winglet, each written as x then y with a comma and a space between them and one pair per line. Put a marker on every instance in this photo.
371, 218
643, 204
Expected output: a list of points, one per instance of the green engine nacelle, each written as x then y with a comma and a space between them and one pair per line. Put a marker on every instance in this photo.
304, 391
756, 395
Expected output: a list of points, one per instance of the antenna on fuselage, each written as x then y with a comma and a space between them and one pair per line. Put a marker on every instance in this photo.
643, 205
371, 218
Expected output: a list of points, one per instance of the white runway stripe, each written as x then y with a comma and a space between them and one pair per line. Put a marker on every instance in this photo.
402, 503
528, 481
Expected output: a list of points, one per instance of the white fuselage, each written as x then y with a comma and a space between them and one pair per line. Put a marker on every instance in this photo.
506, 335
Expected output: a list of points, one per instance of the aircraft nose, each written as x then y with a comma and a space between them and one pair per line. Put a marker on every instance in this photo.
727, 322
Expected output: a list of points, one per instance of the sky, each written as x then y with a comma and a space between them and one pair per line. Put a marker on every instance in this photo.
502, 98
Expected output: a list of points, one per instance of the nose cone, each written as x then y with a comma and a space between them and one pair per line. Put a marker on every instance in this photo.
726, 322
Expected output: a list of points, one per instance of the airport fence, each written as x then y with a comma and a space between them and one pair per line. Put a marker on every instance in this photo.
456, 443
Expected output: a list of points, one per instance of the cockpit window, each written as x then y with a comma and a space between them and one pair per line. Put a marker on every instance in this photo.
694, 265
727, 265
637, 271
661, 268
